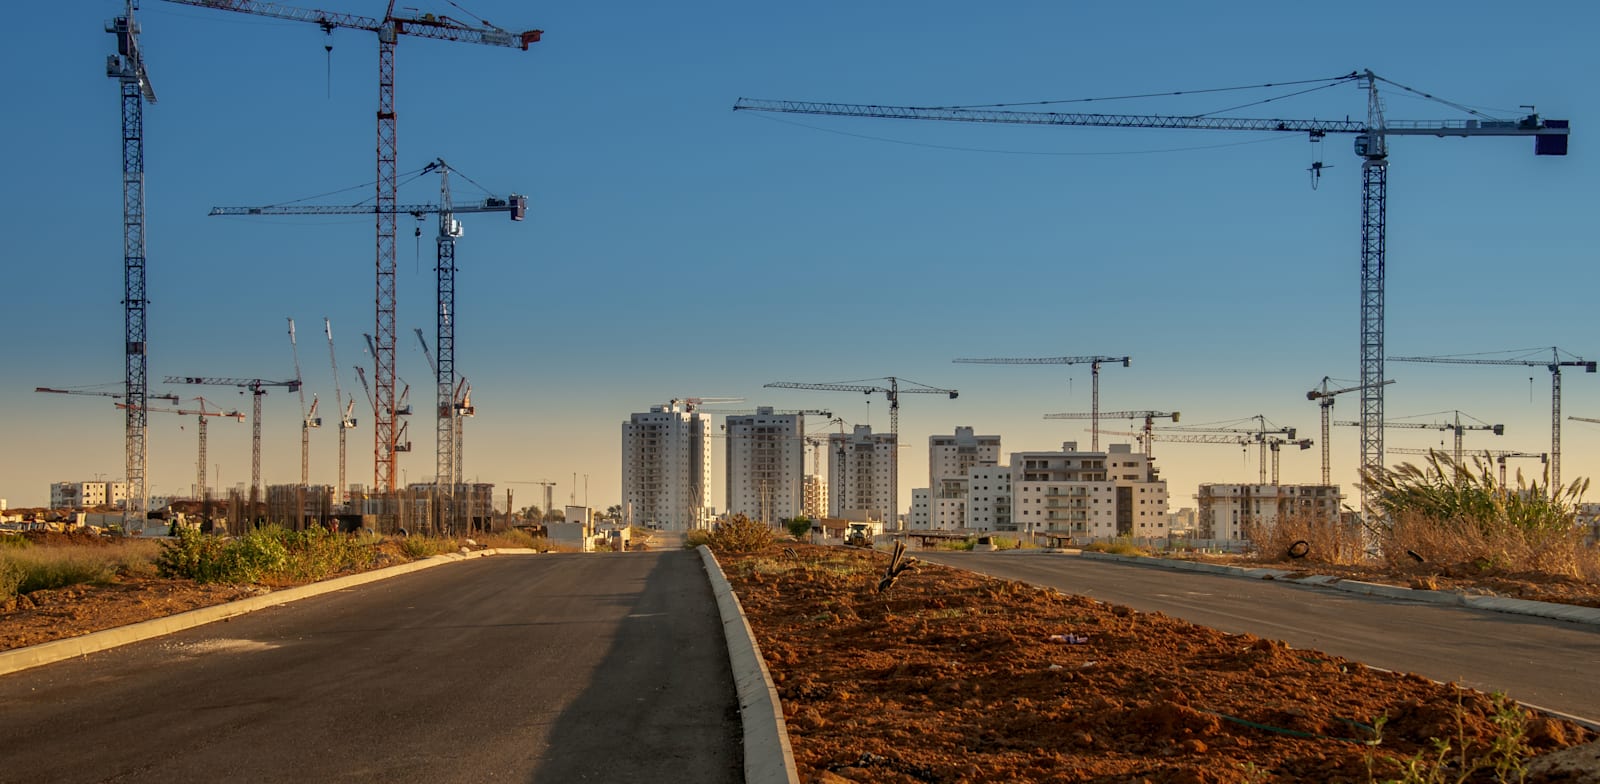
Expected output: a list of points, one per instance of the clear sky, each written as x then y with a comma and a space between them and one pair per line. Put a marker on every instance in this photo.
676, 248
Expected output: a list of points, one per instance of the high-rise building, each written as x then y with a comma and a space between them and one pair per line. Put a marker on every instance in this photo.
1088, 495
816, 496
950, 459
860, 473
666, 467
765, 465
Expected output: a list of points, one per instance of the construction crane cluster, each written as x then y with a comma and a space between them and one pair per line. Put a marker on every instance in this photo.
1371, 146
127, 67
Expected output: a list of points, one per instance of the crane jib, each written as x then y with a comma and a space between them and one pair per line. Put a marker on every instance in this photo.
1550, 135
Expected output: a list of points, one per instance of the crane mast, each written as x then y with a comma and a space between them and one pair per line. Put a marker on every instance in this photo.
127, 67
1094, 373
1324, 398
1550, 138
386, 435
346, 421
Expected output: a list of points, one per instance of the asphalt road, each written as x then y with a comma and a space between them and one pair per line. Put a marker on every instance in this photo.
1547, 663
546, 669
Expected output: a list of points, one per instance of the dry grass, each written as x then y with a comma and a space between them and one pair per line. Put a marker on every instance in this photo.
1326, 541
24, 569
1416, 542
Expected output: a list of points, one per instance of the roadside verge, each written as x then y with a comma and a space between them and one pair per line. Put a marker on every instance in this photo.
768, 759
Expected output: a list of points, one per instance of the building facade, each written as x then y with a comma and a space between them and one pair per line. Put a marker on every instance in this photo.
1229, 512
861, 473
989, 499
765, 465
83, 495
950, 459
666, 467
816, 496
1087, 496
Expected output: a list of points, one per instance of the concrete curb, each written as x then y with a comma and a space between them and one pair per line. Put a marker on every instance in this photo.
1561, 612
768, 757
58, 650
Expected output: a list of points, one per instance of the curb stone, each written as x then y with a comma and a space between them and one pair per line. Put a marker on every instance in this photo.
768, 758
1561, 612
19, 659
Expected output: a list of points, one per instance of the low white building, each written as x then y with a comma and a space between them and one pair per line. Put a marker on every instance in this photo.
989, 499
1087, 496
82, 495
1227, 512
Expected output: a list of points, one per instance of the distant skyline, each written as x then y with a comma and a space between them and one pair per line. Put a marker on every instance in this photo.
675, 248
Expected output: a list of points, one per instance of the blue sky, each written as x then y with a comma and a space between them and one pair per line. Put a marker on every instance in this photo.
676, 248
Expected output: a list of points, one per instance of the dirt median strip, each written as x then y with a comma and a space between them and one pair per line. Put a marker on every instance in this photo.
19, 659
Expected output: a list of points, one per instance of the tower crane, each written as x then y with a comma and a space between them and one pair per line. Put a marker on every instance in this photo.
449, 451
127, 67
1094, 374
1324, 397
386, 436
1554, 365
1267, 442
515, 205
1149, 418
1371, 145
1456, 428
780, 411
167, 397
308, 420
201, 413
1260, 435
346, 421
892, 392
1499, 456
257, 389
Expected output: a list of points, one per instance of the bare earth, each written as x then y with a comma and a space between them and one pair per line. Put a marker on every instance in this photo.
949, 676
953, 677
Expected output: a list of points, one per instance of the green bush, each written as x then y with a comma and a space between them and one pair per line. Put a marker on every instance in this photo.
740, 534
251, 558
416, 547
696, 537
800, 527
11, 575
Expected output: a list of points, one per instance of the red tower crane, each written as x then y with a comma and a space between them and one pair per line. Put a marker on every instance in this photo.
386, 437
1094, 373
1371, 145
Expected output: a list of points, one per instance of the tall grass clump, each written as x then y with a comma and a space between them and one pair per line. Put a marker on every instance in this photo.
1325, 541
740, 534
1452, 514
29, 567
416, 547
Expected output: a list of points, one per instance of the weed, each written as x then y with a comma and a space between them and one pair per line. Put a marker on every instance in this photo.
1122, 545
416, 547
695, 538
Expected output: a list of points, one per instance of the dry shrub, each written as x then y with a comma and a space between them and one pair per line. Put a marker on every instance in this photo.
740, 534
1444, 514
1326, 541
1417, 542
